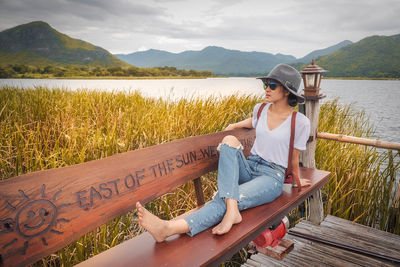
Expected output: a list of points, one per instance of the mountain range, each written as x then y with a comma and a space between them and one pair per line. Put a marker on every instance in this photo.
220, 60
38, 44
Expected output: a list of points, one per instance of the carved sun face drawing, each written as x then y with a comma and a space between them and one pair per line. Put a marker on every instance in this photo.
33, 219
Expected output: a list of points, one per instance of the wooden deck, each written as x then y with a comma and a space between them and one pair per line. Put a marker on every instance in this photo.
336, 242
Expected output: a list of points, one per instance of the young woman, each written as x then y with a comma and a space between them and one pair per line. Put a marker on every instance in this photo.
245, 183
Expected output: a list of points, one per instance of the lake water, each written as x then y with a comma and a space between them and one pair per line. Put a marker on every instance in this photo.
380, 99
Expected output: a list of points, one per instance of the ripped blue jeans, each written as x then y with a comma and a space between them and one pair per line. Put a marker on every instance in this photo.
252, 182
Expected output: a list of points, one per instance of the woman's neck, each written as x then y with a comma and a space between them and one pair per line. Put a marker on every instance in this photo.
281, 107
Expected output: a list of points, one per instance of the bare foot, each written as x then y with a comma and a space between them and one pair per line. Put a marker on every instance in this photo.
230, 218
157, 227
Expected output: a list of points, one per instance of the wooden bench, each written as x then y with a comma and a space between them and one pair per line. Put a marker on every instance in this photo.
44, 211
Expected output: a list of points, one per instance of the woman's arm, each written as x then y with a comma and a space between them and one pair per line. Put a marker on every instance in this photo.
295, 164
241, 124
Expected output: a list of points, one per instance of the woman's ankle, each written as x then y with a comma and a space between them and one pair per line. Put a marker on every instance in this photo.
231, 204
179, 226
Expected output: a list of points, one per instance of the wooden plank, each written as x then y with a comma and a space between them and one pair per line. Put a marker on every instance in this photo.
318, 257
348, 227
311, 253
251, 263
278, 252
262, 260
42, 212
343, 257
345, 242
206, 248
355, 238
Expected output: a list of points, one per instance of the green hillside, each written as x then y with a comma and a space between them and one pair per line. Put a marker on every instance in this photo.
323, 52
38, 44
373, 57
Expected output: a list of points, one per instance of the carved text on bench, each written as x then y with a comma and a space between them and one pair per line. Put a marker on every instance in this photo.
87, 197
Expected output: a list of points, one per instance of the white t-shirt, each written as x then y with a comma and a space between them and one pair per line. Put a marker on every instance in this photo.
273, 146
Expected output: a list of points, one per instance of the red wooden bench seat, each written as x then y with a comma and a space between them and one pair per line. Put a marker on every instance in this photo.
206, 248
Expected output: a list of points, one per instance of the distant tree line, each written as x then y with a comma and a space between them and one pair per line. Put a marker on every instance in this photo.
24, 71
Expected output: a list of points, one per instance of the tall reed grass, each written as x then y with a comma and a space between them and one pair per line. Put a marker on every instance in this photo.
363, 182
42, 128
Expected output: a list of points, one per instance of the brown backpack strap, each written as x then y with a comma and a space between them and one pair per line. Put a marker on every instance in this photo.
289, 175
260, 110
291, 143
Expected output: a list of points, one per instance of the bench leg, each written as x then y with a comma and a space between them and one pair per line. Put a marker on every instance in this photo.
316, 208
199, 191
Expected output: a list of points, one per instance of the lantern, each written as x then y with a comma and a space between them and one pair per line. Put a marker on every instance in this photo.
312, 75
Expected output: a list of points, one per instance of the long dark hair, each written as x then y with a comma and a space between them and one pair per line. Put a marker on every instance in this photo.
292, 100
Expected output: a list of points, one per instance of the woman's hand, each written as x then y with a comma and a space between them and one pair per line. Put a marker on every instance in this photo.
241, 124
230, 127
304, 182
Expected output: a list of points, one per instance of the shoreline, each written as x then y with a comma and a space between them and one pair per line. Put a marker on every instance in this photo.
360, 78
178, 77
113, 78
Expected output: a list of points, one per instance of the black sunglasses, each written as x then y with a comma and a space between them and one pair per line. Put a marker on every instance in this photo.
272, 85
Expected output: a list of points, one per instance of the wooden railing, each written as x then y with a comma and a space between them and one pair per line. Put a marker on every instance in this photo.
367, 142
359, 140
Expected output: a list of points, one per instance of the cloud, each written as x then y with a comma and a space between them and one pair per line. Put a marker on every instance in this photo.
276, 26
89, 10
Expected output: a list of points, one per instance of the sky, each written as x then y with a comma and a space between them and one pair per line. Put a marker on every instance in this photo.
290, 27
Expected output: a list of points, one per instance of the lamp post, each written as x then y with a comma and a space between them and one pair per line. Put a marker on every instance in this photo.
312, 75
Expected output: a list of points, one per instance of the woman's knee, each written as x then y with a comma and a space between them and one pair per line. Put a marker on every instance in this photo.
231, 141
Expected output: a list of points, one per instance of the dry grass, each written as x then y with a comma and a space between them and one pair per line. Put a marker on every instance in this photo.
42, 129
